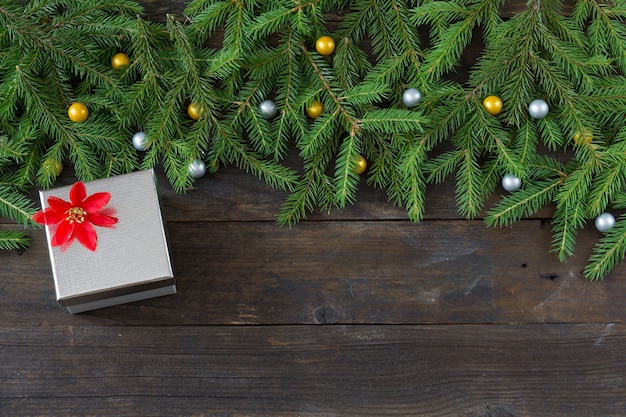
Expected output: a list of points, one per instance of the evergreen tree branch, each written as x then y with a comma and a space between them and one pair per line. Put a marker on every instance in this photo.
522, 203
609, 251
16, 206
13, 240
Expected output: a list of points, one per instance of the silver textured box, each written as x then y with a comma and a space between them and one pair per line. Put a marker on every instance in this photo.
131, 260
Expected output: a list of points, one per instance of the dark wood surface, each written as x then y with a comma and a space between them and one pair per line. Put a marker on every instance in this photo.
359, 312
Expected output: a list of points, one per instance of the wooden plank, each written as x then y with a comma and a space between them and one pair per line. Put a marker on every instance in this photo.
231, 195
234, 195
343, 272
469, 370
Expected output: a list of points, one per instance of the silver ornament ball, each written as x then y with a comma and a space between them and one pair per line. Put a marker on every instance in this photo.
538, 109
197, 168
140, 141
411, 97
268, 109
511, 183
605, 222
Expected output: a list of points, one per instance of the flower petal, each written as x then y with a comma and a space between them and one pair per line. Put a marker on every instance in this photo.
101, 219
95, 202
63, 234
87, 235
40, 217
48, 217
78, 192
58, 204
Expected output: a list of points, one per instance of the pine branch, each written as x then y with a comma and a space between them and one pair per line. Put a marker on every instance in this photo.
346, 179
469, 194
522, 203
608, 252
392, 120
607, 182
443, 165
414, 183
12, 240
15, 206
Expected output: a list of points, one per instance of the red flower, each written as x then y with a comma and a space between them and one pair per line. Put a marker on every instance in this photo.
74, 218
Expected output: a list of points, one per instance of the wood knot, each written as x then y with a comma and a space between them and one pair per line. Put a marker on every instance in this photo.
326, 315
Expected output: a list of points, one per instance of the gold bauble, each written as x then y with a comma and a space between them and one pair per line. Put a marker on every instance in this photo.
325, 45
493, 105
78, 112
583, 138
315, 109
120, 61
361, 165
194, 111
53, 166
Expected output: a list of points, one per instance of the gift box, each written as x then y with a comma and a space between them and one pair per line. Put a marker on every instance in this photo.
107, 241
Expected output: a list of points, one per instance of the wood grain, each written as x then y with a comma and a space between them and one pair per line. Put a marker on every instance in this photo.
459, 370
356, 312
366, 272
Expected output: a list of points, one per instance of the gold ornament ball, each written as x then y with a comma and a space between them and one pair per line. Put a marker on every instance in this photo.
493, 105
315, 109
194, 111
120, 61
325, 45
78, 112
361, 165
583, 138
53, 166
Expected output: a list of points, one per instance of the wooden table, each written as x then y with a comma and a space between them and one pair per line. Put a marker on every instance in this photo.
359, 312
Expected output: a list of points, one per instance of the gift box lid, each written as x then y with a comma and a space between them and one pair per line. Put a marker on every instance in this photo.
130, 257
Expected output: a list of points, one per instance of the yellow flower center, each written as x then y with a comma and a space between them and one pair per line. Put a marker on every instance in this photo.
76, 214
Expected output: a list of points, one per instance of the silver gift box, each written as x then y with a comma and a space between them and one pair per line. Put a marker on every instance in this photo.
131, 261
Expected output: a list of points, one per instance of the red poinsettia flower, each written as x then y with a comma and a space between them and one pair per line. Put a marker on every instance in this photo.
75, 218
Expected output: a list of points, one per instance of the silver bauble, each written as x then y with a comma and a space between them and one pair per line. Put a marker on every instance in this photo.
268, 109
197, 168
605, 222
140, 141
511, 183
538, 109
411, 97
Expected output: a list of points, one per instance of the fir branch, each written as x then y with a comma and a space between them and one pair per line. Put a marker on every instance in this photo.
469, 194
576, 186
312, 190
355, 25
445, 56
392, 120
440, 167
346, 179
322, 132
383, 154
450, 39
16, 206
350, 63
525, 143
522, 203
270, 22
364, 94
207, 16
550, 133
608, 252
13, 240
569, 217
607, 34
608, 181
414, 183
382, 42
450, 109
